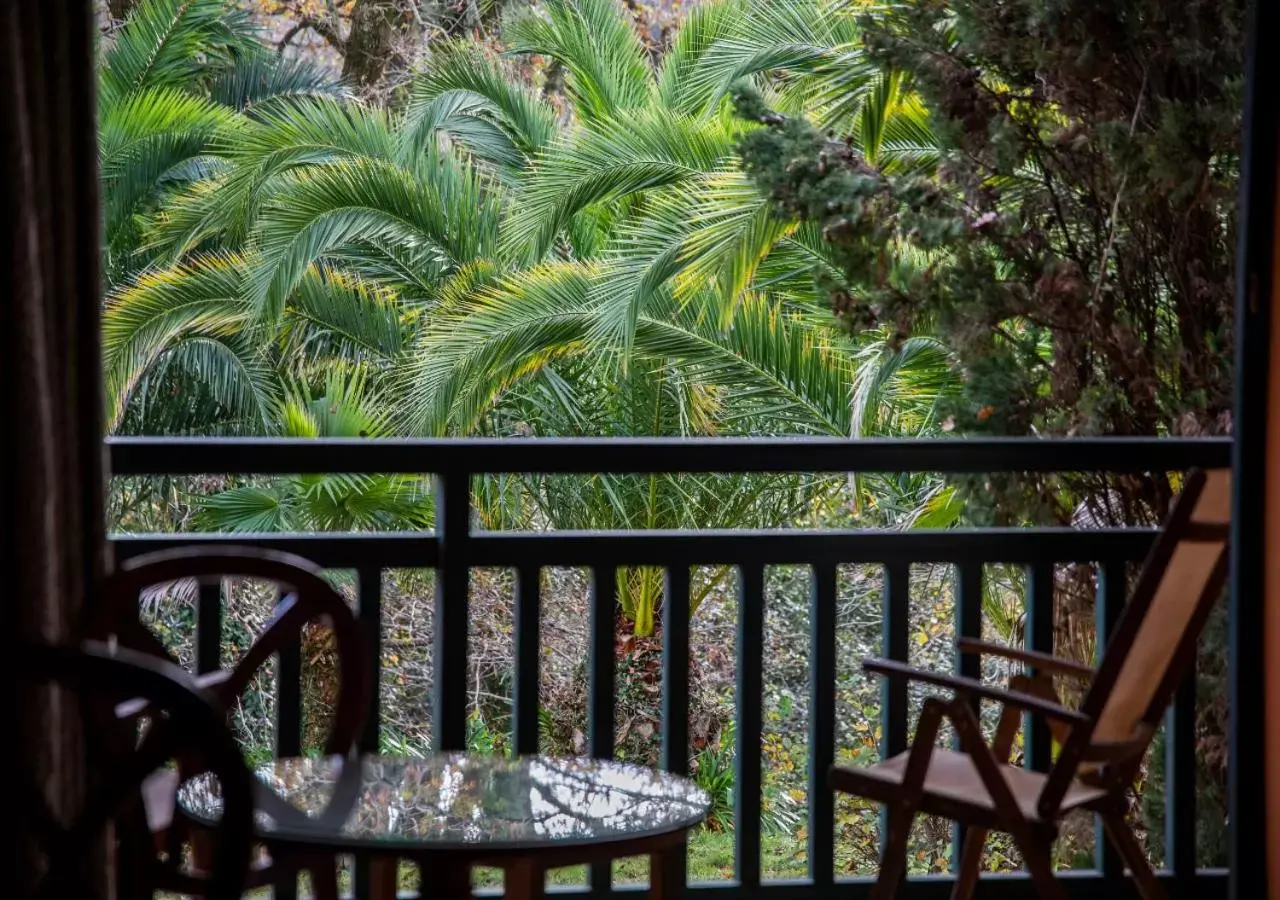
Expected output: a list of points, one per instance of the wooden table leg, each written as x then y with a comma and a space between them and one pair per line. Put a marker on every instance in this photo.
384, 878
448, 881
324, 877
524, 879
667, 873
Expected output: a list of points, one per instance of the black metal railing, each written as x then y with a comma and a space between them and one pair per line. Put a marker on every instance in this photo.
454, 548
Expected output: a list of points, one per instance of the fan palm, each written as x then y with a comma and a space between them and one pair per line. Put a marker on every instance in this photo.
346, 408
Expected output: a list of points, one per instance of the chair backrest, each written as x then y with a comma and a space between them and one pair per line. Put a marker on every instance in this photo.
305, 597
1155, 639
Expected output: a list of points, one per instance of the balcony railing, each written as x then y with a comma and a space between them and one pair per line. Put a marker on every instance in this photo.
455, 547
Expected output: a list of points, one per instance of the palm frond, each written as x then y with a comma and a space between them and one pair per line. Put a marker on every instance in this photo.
191, 318
313, 129
282, 138
794, 36
705, 26
608, 68
463, 118
709, 235
477, 348
147, 142
899, 388
465, 68
336, 316
647, 250
247, 509
611, 161
732, 230
450, 219
348, 405
169, 43
796, 265
256, 80
779, 373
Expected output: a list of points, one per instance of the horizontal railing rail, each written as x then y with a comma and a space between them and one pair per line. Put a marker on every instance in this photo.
550, 456
661, 547
455, 547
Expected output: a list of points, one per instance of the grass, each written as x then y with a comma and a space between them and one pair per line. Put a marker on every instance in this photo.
782, 856
710, 859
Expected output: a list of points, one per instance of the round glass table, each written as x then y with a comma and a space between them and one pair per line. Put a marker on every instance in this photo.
450, 812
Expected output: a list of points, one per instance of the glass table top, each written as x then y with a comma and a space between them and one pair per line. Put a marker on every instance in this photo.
480, 803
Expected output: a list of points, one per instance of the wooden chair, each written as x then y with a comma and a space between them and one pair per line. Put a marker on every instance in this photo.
305, 597
189, 726
1101, 743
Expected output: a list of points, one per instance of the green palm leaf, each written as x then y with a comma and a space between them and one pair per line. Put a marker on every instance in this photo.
170, 43
468, 69
336, 317
795, 36
463, 118
487, 341
449, 219
710, 234
613, 160
257, 80
706, 25
148, 143
899, 387
779, 373
192, 318
608, 68
247, 509
281, 139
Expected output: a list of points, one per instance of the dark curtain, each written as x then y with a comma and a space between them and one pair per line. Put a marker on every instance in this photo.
53, 478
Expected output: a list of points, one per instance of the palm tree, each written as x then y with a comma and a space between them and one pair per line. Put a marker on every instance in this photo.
175, 75
178, 77
495, 265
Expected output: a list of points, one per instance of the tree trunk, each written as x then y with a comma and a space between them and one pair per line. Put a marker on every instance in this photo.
120, 9
368, 45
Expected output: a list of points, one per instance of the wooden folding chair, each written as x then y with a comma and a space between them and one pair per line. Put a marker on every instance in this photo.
1101, 744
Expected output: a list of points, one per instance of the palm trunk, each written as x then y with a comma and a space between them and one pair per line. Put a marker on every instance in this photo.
369, 43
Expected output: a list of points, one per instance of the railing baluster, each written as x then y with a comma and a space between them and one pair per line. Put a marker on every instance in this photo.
968, 665
672, 869
1039, 636
1111, 592
288, 728
675, 671
601, 666
453, 582
524, 703
894, 636
1180, 785
893, 645
822, 722
369, 612
209, 626
748, 693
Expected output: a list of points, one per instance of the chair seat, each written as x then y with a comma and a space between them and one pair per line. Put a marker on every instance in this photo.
952, 784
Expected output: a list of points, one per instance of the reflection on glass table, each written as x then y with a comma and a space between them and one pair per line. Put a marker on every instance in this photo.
451, 811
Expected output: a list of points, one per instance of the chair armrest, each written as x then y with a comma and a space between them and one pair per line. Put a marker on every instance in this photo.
974, 688
1042, 661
